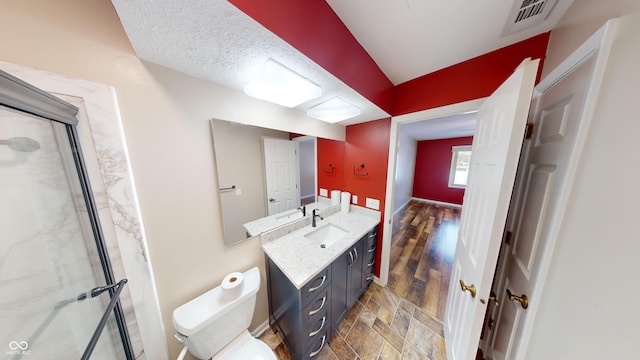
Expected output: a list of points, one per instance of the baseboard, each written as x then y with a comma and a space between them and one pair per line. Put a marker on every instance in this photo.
257, 332
403, 206
437, 202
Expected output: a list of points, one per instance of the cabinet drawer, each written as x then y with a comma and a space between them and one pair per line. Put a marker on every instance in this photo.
315, 286
369, 269
322, 339
314, 332
317, 308
370, 256
371, 243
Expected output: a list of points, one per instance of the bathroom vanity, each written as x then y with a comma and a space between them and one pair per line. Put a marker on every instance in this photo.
316, 274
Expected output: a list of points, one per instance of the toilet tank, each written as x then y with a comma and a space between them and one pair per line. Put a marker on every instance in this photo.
210, 322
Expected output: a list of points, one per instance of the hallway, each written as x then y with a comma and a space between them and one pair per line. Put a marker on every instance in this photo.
422, 250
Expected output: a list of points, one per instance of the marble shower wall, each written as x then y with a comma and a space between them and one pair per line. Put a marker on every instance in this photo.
104, 151
44, 250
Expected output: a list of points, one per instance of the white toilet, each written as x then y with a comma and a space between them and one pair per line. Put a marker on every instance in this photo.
212, 327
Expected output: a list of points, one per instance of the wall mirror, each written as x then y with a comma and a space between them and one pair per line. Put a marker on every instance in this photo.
265, 175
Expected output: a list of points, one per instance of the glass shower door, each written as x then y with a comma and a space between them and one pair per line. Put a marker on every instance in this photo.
49, 247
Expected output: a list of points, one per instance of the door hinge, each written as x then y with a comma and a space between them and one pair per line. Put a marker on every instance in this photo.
528, 131
490, 323
507, 237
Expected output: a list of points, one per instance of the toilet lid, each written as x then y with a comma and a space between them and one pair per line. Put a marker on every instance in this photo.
249, 348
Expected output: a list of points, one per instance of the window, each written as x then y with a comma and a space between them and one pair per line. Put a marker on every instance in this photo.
460, 159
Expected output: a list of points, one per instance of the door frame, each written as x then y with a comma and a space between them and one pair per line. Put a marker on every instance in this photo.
396, 121
597, 45
307, 138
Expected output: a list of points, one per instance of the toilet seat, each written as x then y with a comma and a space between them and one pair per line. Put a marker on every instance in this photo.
245, 347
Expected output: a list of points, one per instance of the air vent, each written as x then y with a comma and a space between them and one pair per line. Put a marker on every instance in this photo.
530, 8
527, 13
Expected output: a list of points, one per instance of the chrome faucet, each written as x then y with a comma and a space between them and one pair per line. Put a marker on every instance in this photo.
313, 217
303, 209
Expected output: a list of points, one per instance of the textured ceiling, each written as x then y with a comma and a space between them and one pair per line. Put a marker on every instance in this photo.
213, 40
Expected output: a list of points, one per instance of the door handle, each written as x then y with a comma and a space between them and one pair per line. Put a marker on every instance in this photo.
523, 300
492, 297
272, 200
470, 288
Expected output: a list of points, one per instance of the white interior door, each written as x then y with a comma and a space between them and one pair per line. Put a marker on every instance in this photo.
542, 181
494, 159
281, 175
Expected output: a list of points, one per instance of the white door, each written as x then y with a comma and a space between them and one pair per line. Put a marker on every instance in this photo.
494, 159
542, 181
280, 164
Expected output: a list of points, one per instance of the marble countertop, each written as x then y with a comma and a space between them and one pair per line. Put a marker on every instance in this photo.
301, 258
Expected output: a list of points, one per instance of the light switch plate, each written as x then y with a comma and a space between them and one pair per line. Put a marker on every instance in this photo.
354, 199
324, 192
373, 204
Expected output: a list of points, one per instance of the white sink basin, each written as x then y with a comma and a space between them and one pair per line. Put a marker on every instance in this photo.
289, 215
326, 235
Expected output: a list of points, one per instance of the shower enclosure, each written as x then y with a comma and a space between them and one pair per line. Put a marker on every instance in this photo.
52, 254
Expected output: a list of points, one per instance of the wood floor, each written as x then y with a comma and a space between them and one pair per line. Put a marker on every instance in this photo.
422, 249
380, 326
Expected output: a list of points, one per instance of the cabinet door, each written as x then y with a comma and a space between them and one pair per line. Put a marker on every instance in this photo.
339, 286
356, 272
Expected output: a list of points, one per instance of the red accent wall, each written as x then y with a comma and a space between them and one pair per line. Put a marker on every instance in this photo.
330, 152
472, 79
433, 163
368, 143
314, 29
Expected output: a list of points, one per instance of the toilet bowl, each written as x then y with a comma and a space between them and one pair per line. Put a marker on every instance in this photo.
245, 347
213, 327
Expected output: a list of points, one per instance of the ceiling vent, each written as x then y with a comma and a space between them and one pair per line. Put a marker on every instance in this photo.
527, 13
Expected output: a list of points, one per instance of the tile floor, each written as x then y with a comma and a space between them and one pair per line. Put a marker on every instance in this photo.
380, 326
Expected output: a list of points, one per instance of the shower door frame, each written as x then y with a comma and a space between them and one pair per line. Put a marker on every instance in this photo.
24, 97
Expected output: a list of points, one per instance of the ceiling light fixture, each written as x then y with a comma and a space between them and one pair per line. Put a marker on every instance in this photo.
278, 84
334, 110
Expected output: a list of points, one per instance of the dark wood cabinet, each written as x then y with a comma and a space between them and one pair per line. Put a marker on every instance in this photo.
306, 317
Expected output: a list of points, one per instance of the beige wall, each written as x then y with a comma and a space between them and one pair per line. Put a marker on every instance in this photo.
581, 20
165, 117
589, 301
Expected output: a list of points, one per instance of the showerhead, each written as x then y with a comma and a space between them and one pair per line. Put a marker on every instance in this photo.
23, 144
